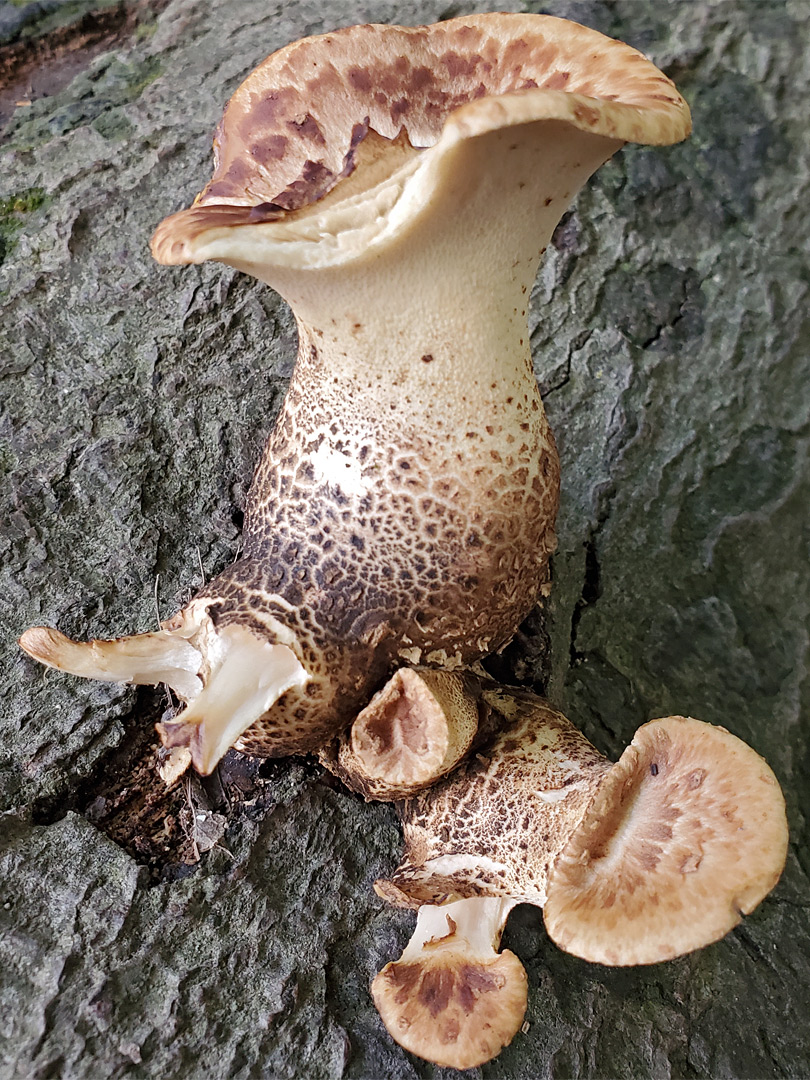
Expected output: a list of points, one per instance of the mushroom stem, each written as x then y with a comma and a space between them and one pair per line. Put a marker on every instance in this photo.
397, 186
496, 825
451, 997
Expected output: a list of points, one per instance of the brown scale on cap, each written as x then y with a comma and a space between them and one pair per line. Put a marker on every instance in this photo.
632, 863
404, 506
288, 133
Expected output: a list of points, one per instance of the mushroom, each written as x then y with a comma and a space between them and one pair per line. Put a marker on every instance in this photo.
397, 187
452, 997
632, 863
412, 732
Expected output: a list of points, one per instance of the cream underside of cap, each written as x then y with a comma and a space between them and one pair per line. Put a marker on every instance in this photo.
686, 834
633, 102
294, 122
336, 230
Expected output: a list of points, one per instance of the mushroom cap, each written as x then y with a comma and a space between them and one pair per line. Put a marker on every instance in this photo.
411, 733
686, 834
294, 129
450, 1000
453, 1010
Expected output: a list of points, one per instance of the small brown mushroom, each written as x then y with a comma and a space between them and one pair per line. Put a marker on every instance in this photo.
633, 863
451, 997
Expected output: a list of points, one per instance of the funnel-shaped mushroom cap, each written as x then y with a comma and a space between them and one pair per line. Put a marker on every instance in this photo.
451, 998
295, 129
686, 834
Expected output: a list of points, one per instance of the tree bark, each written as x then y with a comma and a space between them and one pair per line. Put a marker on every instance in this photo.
134, 401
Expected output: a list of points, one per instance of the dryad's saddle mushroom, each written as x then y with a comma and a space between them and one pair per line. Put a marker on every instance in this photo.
632, 863
397, 186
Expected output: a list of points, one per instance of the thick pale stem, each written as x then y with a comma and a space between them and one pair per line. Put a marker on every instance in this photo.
478, 923
447, 277
497, 828
417, 333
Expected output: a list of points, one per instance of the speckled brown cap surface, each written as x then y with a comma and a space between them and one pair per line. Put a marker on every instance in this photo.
291, 131
451, 997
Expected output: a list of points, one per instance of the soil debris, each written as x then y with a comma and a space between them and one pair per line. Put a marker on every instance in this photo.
168, 827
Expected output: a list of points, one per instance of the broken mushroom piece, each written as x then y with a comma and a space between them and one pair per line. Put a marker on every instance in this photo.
452, 997
412, 732
633, 863
397, 186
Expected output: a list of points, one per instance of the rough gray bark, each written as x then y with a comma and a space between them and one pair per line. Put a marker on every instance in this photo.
671, 334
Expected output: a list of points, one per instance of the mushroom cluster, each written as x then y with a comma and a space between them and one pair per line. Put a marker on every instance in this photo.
398, 186
632, 863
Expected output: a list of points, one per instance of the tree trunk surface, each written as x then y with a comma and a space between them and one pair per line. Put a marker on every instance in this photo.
670, 331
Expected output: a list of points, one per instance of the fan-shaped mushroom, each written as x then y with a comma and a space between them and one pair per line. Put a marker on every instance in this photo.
397, 186
632, 863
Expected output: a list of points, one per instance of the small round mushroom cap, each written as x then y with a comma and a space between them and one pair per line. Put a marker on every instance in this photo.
450, 1000
294, 130
412, 732
686, 834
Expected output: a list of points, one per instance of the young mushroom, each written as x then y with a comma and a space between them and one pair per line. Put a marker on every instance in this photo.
632, 863
397, 186
412, 732
452, 997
